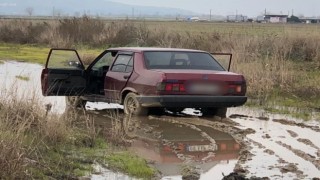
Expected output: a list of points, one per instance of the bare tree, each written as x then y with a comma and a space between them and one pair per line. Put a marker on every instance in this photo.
29, 11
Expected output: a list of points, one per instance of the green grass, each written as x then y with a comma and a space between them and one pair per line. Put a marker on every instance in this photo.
289, 100
27, 53
304, 115
23, 78
287, 104
67, 160
131, 164
35, 53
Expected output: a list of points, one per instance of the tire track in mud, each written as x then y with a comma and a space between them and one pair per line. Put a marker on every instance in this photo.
309, 143
303, 155
282, 165
292, 123
294, 130
311, 158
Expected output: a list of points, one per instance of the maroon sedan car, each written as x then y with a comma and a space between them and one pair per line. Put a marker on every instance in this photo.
145, 80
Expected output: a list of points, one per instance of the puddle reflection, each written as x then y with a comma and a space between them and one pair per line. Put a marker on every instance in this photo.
167, 145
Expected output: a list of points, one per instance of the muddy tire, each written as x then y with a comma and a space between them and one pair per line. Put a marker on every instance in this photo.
132, 106
211, 112
75, 102
221, 112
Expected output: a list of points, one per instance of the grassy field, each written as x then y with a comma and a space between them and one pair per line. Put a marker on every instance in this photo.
232, 28
281, 62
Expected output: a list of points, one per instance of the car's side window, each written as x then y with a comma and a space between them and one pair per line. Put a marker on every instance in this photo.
123, 63
64, 59
130, 66
105, 60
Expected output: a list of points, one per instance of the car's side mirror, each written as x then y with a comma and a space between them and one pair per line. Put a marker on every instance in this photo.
76, 64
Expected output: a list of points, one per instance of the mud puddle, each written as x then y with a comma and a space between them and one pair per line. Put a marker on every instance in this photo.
171, 147
13, 85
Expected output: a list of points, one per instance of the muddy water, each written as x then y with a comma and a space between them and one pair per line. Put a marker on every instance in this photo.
169, 147
30, 90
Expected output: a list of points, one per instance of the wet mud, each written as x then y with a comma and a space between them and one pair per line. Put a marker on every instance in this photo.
171, 144
187, 146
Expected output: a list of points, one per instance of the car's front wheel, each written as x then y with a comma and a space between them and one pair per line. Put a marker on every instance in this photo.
132, 106
210, 112
75, 102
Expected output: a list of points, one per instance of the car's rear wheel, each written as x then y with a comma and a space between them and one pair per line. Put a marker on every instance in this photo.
75, 102
210, 112
132, 106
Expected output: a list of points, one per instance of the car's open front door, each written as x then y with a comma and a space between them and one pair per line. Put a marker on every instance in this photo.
64, 74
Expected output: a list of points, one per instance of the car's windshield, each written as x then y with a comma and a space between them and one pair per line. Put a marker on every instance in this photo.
181, 60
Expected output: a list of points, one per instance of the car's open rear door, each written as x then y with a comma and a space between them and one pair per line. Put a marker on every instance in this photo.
224, 59
64, 74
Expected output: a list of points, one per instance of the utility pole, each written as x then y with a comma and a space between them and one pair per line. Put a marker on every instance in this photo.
210, 14
53, 12
133, 13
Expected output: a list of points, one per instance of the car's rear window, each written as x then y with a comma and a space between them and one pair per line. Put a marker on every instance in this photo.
181, 60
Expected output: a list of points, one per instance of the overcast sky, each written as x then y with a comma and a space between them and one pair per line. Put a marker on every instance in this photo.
230, 7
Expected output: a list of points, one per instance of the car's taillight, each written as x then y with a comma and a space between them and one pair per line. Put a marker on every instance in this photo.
223, 147
182, 88
171, 87
236, 146
168, 87
236, 88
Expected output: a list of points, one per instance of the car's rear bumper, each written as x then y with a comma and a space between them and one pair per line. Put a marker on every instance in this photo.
191, 101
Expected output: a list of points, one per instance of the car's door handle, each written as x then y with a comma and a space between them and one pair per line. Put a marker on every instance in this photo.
126, 76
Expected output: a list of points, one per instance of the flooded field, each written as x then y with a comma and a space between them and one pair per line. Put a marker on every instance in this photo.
250, 141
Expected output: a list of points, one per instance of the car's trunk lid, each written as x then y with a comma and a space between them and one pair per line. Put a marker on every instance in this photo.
201, 75
202, 82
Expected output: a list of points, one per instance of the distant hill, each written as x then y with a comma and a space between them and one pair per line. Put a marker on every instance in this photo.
80, 7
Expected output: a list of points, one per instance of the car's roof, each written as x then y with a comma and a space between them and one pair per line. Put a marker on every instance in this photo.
142, 49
